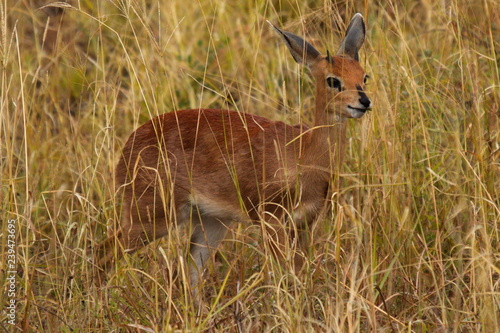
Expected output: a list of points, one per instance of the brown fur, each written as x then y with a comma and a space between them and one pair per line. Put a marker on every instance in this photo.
215, 167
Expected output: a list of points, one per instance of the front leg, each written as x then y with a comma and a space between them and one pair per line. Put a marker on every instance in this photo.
288, 238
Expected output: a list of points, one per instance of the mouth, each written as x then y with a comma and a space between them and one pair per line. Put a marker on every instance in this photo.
359, 109
357, 112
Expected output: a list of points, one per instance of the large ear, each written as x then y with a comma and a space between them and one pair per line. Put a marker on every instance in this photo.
303, 52
354, 37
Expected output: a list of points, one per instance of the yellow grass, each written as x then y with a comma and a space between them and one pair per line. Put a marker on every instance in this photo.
412, 240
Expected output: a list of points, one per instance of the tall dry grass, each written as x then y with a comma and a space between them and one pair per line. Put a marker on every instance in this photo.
412, 242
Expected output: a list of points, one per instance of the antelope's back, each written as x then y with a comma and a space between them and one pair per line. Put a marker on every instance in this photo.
211, 158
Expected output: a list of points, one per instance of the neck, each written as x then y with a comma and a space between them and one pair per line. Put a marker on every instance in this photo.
325, 148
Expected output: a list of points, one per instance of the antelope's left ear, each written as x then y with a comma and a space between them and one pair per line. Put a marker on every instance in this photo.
354, 38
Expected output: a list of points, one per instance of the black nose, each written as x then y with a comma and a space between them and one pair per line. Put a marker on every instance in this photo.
364, 100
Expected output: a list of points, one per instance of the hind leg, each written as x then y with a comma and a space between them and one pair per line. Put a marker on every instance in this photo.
206, 237
131, 237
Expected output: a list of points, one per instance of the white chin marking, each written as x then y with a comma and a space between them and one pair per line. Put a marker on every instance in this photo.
356, 113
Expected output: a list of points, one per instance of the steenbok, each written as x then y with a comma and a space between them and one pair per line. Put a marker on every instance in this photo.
211, 168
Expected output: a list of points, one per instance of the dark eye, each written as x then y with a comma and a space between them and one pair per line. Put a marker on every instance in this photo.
334, 83
366, 78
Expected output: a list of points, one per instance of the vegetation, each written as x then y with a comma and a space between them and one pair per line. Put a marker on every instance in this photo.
411, 242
